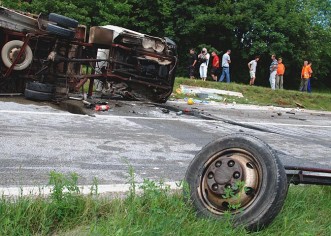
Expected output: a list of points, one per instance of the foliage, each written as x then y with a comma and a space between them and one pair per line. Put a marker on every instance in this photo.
292, 29
155, 210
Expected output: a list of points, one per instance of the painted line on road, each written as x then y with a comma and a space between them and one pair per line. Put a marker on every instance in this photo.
84, 189
39, 113
110, 117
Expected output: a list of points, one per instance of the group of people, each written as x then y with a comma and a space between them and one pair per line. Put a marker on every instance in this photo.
277, 69
202, 60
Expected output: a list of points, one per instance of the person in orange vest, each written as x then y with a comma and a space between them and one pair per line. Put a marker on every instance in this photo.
280, 74
305, 75
309, 80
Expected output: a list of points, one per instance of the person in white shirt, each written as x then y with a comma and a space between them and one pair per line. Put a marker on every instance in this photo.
252, 69
225, 66
203, 58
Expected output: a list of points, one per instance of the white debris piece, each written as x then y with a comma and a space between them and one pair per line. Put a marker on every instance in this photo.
185, 89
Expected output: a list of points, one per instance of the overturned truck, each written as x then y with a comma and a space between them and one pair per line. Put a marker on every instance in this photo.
48, 57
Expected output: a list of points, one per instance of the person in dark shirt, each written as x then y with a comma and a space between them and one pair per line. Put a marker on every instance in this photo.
192, 63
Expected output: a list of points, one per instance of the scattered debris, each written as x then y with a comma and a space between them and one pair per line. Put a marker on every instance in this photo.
296, 118
290, 112
164, 110
299, 105
279, 113
179, 113
102, 107
190, 101
184, 89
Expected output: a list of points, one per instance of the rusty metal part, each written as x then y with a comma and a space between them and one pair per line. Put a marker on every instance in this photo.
231, 177
308, 175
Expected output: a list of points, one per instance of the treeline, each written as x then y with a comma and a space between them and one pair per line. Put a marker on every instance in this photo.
295, 30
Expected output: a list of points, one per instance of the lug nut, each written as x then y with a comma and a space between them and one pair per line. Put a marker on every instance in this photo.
228, 186
218, 164
215, 187
236, 175
231, 163
210, 175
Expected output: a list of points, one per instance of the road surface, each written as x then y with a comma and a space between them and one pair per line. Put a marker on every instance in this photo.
36, 139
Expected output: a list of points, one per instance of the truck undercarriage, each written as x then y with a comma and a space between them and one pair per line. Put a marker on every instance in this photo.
55, 52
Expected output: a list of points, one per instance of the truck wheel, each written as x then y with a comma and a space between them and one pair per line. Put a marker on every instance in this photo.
10, 51
38, 96
63, 20
57, 30
238, 174
40, 87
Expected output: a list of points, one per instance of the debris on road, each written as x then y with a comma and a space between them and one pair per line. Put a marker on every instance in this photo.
185, 89
166, 111
299, 105
190, 101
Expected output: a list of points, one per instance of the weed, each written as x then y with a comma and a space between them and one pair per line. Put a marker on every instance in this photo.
154, 211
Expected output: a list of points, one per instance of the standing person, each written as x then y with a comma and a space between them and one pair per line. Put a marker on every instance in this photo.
309, 80
204, 59
225, 66
273, 71
280, 74
252, 69
305, 75
215, 66
191, 63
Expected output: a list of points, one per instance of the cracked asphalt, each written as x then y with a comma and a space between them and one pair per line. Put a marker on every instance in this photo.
36, 138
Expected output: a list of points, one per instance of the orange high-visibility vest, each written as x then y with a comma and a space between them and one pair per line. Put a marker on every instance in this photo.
280, 69
306, 72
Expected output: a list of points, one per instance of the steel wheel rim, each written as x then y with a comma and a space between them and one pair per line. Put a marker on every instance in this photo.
228, 169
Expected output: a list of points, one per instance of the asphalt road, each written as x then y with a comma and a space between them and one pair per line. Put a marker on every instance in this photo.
37, 138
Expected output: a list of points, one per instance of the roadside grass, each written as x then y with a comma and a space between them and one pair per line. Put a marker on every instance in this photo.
156, 210
257, 95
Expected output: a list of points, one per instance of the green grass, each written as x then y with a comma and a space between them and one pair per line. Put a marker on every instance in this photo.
263, 96
155, 211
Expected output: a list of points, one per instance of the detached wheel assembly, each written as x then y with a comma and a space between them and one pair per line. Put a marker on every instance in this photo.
10, 51
241, 175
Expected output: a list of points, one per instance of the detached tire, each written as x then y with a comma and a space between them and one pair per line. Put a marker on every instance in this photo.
40, 87
10, 51
59, 31
37, 96
63, 20
225, 163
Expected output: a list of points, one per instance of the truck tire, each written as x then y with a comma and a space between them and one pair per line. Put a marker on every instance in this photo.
40, 87
10, 51
63, 20
57, 30
38, 96
227, 163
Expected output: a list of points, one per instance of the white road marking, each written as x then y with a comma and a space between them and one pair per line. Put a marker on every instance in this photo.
84, 189
110, 117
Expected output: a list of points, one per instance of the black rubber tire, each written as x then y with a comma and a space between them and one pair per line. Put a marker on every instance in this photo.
63, 20
267, 202
40, 87
57, 30
38, 96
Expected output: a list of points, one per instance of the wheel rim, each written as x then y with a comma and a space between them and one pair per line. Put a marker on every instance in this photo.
233, 171
13, 53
